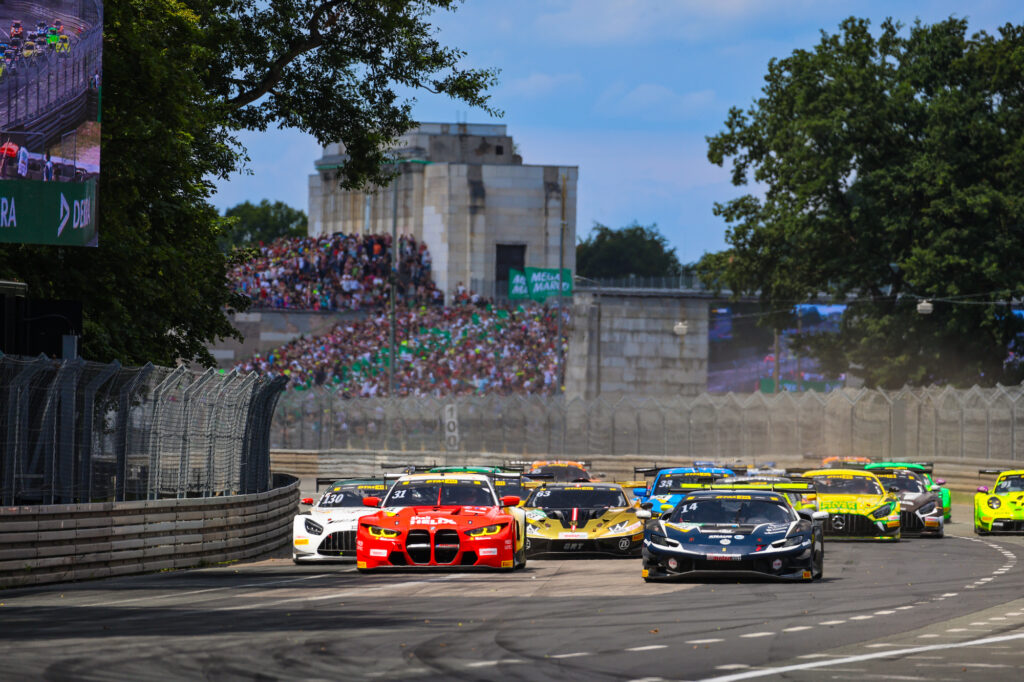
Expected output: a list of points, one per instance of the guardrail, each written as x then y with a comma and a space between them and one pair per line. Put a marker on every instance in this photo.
58, 543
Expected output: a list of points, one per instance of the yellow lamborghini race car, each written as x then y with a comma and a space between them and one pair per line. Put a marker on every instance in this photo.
582, 518
858, 504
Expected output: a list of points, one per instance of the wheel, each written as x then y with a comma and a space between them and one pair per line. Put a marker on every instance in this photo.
519, 560
818, 560
978, 530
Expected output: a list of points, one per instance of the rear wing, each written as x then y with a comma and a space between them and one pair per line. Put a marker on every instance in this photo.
805, 488
927, 467
327, 481
990, 472
647, 471
410, 468
629, 485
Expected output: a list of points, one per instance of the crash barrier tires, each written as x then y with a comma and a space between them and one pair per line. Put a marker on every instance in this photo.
63, 542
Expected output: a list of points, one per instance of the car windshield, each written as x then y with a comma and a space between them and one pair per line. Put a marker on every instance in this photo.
351, 494
846, 484
1010, 484
583, 497
509, 486
727, 510
440, 492
666, 482
907, 483
562, 474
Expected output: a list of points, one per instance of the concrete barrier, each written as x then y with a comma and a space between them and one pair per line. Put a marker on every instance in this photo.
57, 543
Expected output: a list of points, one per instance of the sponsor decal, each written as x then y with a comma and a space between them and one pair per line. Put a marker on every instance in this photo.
838, 523
624, 544
506, 564
488, 551
722, 557
737, 537
726, 542
378, 552
301, 541
644, 573
431, 521
777, 564
536, 515
775, 530
807, 575
572, 536
838, 505
360, 564
931, 522
720, 537
682, 528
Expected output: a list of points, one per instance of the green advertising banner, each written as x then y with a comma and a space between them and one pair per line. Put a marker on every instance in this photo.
538, 284
38, 212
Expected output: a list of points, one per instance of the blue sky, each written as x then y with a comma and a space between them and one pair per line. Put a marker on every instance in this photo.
625, 89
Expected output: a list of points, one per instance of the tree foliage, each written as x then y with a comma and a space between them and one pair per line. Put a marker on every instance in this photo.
263, 222
180, 79
631, 250
891, 166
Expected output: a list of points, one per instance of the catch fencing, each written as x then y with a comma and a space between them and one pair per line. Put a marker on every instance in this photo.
940, 424
74, 432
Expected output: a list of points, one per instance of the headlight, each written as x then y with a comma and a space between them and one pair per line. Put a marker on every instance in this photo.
658, 539
313, 527
619, 528
378, 532
483, 531
927, 509
532, 529
994, 502
882, 511
791, 541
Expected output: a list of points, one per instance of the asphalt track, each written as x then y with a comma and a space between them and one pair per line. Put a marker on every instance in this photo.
950, 609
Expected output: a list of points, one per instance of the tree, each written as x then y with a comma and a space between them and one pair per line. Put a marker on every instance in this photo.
263, 222
180, 79
891, 169
631, 250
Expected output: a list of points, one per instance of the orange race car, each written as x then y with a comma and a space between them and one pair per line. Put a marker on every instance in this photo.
559, 471
845, 462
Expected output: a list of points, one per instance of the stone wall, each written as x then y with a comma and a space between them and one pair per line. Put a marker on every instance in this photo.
623, 343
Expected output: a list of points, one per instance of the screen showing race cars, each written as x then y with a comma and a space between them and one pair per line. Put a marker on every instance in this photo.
583, 497
351, 494
847, 484
441, 492
731, 509
51, 82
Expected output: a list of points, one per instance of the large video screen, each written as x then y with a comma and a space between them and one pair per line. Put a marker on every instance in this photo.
51, 82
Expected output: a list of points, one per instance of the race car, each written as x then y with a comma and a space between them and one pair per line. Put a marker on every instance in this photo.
925, 469
327, 532
799, 491
859, 506
665, 479
561, 471
845, 462
736, 532
921, 511
442, 520
1001, 509
507, 481
581, 518
16, 29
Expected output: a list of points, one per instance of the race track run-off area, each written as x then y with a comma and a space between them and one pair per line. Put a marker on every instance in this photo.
950, 609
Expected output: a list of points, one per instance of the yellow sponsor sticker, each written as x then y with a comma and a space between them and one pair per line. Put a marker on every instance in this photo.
644, 573
301, 541
638, 536
807, 575
360, 564
506, 564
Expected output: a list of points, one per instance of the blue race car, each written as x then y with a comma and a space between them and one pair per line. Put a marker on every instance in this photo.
736, 532
666, 478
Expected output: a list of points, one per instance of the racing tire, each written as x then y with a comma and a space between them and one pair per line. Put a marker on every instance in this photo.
519, 559
818, 561
978, 530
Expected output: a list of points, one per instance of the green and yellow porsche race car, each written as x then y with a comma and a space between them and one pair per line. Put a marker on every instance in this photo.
582, 518
1001, 509
926, 469
859, 506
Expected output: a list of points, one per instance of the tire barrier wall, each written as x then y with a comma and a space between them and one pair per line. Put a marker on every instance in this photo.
58, 543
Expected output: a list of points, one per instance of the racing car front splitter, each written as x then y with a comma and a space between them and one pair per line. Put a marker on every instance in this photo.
795, 565
623, 546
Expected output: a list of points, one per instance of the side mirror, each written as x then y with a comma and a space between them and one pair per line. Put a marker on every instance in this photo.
940, 481
819, 516
893, 489
371, 501
982, 488
647, 505
667, 514
509, 500
643, 513
307, 500
639, 492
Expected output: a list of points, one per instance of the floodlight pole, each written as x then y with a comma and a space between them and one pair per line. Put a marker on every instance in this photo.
394, 278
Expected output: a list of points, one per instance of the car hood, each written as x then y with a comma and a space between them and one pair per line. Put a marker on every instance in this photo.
851, 504
593, 522
339, 514
914, 501
437, 517
729, 538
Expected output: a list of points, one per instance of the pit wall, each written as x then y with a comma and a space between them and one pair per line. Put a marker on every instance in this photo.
961, 475
58, 543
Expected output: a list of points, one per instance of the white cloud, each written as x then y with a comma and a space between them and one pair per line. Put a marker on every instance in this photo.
540, 84
653, 102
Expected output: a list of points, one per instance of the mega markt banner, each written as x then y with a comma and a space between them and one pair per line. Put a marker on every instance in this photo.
538, 283
59, 213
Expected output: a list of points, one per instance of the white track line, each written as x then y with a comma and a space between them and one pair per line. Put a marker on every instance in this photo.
651, 647
765, 672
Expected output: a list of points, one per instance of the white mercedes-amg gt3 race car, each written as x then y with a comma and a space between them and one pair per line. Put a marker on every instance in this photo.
327, 532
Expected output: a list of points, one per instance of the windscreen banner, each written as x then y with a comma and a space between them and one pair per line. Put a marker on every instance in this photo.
51, 81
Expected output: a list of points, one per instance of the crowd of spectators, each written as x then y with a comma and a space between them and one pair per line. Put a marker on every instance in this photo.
336, 272
440, 351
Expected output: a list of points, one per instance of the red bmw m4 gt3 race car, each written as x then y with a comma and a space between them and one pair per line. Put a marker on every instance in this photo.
433, 521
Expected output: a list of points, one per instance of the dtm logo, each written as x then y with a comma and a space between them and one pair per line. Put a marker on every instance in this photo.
78, 212
431, 521
8, 214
